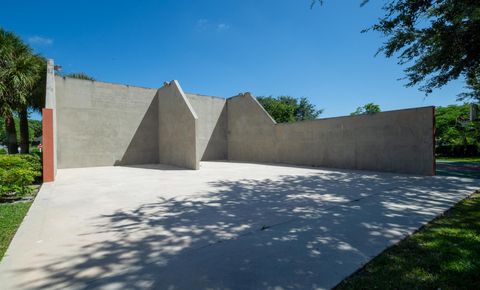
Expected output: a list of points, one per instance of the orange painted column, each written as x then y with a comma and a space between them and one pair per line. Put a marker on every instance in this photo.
47, 150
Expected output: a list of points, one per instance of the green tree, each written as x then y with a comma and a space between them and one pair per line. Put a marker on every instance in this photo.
18, 75
369, 108
439, 41
284, 109
453, 126
80, 75
35, 101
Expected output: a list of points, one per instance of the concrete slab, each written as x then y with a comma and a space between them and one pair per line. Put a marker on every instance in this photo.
226, 226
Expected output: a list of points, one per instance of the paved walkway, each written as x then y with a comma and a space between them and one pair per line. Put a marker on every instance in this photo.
226, 226
458, 168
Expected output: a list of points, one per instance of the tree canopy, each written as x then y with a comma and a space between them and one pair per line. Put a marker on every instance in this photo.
20, 72
438, 41
369, 108
453, 126
284, 109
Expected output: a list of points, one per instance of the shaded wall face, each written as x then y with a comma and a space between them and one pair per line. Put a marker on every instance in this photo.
102, 124
177, 128
398, 141
212, 126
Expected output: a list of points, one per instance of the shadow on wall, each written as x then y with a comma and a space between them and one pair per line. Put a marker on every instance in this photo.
143, 148
296, 232
217, 143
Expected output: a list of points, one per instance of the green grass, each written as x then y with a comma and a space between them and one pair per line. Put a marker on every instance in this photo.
459, 159
445, 254
11, 215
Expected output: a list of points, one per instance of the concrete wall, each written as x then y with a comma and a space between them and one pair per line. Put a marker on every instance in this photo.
396, 141
177, 128
101, 124
212, 126
251, 130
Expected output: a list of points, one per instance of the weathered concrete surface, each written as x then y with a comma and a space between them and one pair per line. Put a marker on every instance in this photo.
177, 128
251, 131
212, 126
231, 226
395, 141
103, 124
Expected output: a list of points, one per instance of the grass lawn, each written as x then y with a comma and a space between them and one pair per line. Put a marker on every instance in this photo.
459, 159
11, 215
445, 254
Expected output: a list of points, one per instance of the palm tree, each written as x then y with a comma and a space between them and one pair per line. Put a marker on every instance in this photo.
19, 71
35, 101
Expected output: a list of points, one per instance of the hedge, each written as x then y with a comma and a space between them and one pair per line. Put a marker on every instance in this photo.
18, 172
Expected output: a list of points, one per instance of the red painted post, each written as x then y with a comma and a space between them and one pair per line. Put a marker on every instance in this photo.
47, 142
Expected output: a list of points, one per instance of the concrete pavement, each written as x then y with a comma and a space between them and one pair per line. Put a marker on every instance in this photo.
226, 226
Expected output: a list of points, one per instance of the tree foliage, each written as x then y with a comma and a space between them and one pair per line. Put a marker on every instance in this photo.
438, 41
34, 130
284, 109
19, 71
453, 126
369, 108
80, 75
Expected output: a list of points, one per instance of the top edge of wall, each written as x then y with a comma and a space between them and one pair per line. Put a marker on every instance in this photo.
108, 83
205, 96
361, 116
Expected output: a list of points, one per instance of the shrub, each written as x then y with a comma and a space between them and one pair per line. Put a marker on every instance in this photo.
457, 150
3, 151
18, 172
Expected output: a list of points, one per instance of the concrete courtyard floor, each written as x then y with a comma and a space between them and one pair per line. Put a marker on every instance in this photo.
226, 226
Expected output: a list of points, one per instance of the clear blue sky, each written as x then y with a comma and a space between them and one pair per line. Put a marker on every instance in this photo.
222, 48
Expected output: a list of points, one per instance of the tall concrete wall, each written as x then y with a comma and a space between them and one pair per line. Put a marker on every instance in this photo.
212, 126
177, 128
396, 141
101, 124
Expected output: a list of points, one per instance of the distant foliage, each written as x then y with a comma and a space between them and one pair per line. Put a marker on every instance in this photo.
285, 109
80, 75
18, 172
34, 128
366, 109
454, 128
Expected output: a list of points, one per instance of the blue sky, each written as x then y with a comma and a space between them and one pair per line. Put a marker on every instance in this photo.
224, 47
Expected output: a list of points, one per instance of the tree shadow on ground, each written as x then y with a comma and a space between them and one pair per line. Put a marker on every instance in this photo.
294, 232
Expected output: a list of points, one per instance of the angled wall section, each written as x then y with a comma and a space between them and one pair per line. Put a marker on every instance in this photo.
212, 126
251, 130
177, 128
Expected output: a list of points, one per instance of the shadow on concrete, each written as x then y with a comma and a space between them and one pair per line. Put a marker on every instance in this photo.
296, 232
143, 148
